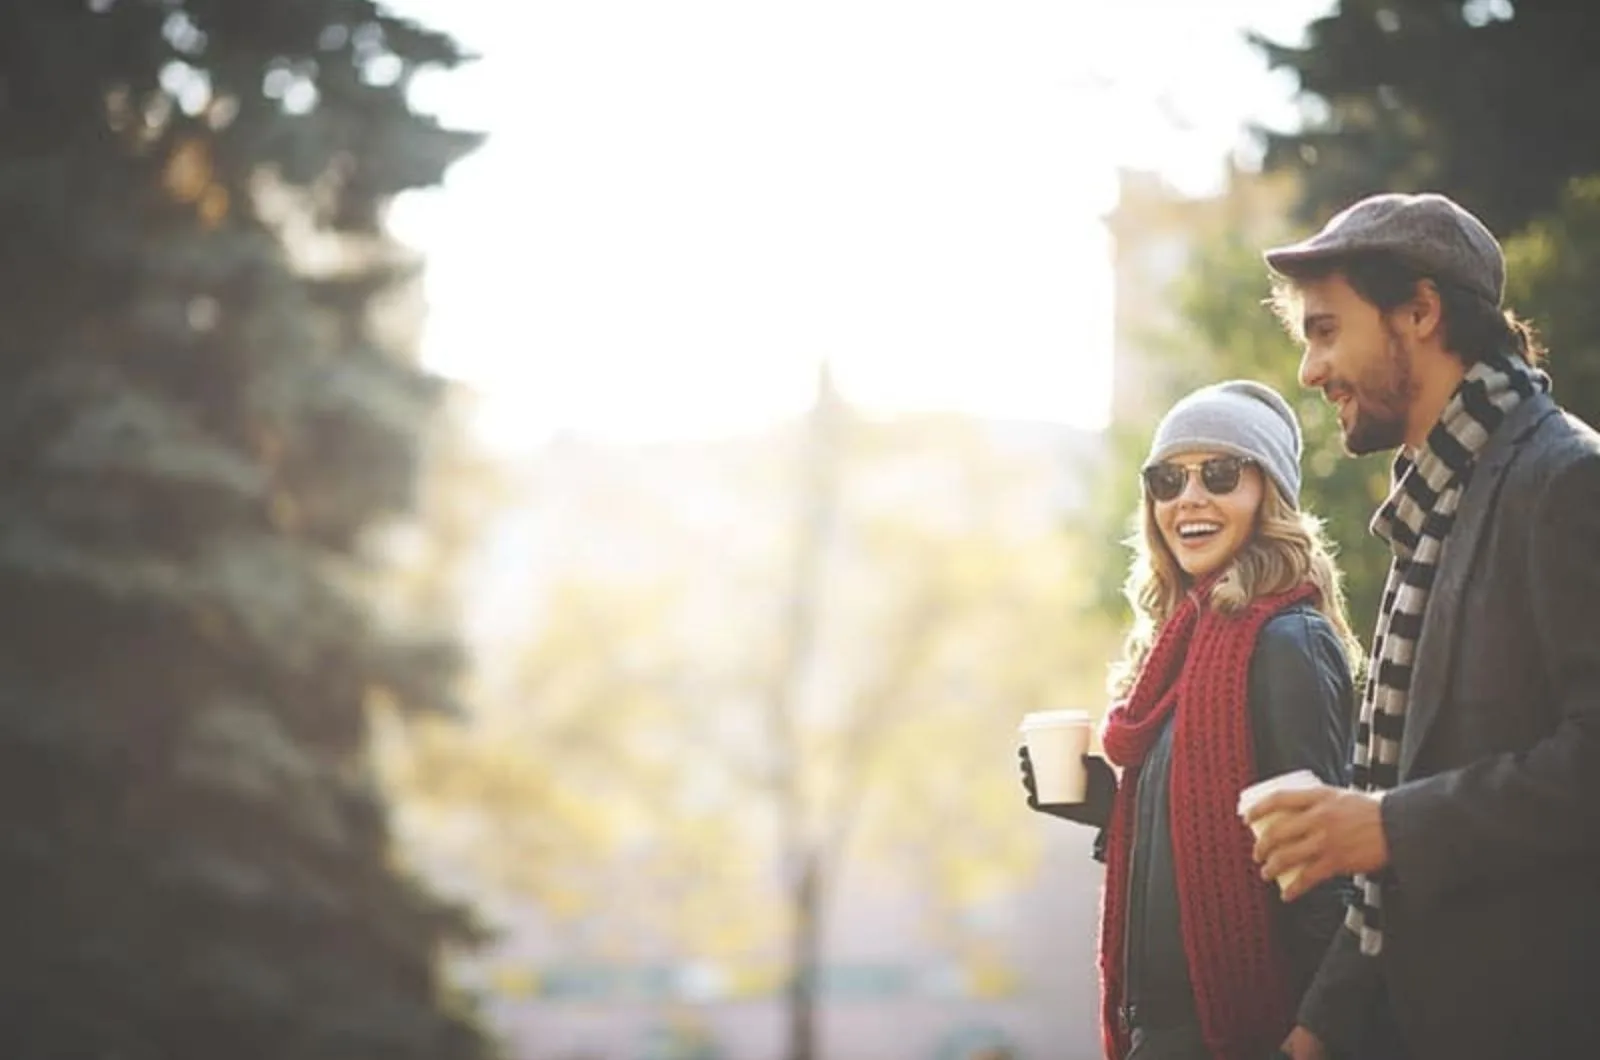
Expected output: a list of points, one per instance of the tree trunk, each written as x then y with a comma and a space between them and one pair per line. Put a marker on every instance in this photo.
805, 943
801, 856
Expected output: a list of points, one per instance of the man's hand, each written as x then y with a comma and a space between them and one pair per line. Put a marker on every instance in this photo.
1323, 831
1302, 1045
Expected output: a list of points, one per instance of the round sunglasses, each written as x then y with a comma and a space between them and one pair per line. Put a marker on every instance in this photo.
1218, 474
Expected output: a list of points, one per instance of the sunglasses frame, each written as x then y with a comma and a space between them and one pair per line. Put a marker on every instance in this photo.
1210, 469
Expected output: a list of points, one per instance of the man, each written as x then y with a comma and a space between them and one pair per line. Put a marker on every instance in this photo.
1473, 824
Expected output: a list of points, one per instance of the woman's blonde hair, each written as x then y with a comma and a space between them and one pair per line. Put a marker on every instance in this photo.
1287, 547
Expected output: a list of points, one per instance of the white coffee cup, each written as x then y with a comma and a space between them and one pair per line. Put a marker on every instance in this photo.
1057, 740
1299, 780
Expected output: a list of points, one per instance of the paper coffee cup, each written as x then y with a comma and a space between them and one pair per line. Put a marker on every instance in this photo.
1299, 780
1057, 740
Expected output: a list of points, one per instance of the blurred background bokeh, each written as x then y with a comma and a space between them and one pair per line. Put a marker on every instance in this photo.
528, 529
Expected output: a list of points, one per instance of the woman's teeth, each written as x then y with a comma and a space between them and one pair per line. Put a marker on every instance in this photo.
1188, 530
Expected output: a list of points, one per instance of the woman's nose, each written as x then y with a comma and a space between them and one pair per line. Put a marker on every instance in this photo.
1194, 490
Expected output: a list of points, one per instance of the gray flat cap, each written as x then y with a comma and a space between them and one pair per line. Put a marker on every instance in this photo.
1428, 231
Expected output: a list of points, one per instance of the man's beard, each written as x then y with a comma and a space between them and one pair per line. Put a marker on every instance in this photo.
1373, 434
1379, 402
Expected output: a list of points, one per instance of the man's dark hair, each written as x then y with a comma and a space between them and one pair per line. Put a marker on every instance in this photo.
1473, 329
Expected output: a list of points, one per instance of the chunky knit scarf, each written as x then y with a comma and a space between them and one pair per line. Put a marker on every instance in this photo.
1199, 667
1415, 520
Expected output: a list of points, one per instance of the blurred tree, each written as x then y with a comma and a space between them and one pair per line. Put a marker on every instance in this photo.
428, 567
1552, 274
822, 657
1489, 101
927, 605
203, 425
913, 635
572, 766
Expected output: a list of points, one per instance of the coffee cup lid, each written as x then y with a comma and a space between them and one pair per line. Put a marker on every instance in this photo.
1300, 778
1048, 719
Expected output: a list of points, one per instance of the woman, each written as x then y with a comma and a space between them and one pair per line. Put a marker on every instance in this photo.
1237, 668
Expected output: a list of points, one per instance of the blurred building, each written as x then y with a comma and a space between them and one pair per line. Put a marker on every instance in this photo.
1154, 231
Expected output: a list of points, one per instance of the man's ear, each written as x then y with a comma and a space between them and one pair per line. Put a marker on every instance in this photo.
1424, 314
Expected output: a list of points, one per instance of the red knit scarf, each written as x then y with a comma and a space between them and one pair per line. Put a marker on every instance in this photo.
1199, 666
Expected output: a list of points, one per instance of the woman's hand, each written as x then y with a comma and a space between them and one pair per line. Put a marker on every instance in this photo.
1100, 790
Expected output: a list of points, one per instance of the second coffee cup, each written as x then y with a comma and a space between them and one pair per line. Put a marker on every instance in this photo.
1057, 740
1299, 780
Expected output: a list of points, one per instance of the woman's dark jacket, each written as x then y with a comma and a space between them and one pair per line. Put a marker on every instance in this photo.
1301, 703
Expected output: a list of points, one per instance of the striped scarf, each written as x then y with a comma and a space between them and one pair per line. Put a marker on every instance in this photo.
1416, 520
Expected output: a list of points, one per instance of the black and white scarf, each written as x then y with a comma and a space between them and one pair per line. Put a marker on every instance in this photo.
1415, 520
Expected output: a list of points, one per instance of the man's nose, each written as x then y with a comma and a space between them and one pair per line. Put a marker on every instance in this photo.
1313, 369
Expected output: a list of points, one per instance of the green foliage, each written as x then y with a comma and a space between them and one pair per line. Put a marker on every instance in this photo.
1490, 103
1407, 95
200, 436
1552, 274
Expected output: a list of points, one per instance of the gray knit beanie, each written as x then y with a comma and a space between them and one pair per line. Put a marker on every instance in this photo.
1241, 417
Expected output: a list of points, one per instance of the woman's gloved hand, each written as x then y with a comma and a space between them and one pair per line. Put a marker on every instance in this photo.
1094, 810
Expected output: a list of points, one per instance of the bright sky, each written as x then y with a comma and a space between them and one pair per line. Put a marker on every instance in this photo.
683, 206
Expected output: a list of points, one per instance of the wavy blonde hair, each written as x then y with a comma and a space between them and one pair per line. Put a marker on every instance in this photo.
1286, 548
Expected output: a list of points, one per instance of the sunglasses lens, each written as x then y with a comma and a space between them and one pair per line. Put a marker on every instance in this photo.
1221, 475
1164, 481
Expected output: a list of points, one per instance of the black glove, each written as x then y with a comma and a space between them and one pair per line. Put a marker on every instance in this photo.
1094, 810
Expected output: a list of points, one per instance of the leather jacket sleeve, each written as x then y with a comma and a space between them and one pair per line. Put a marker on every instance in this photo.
1302, 706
